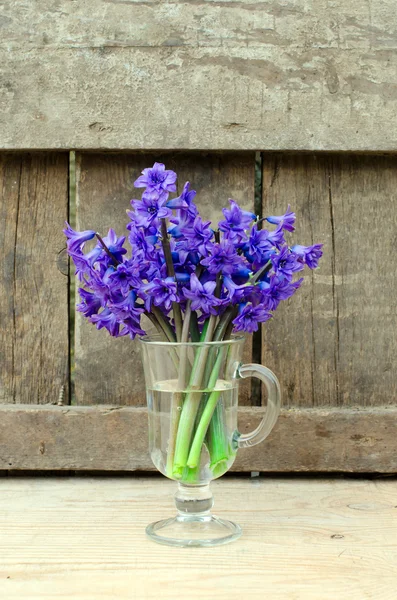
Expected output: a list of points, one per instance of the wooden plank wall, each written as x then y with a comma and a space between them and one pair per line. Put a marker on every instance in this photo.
199, 74
334, 342
331, 345
110, 438
34, 331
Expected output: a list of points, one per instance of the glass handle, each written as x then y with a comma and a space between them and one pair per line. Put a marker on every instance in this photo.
273, 404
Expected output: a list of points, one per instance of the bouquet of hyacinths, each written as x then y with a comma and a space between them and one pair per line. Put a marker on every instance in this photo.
196, 282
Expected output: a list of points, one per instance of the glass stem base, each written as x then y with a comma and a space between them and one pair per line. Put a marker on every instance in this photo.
194, 524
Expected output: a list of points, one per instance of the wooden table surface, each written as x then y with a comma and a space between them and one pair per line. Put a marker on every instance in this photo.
83, 538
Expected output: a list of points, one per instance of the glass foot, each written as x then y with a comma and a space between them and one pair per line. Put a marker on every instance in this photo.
184, 531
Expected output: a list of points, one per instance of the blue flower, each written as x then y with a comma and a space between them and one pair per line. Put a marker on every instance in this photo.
114, 245
123, 278
236, 222
310, 255
223, 258
286, 263
274, 290
108, 320
132, 328
186, 213
250, 316
150, 209
127, 308
181, 223
209, 274
99, 283
202, 295
236, 293
198, 236
162, 292
76, 239
262, 244
90, 303
185, 201
157, 179
142, 239
285, 221
83, 268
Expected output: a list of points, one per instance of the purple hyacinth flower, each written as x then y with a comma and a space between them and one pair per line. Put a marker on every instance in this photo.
115, 245
236, 293
263, 243
202, 295
127, 309
275, 290
83, 267
223, 259
182, 276
250, 316
108, 320
94, 254
132, 328
149, 210
186, 201
157, 179
142, 239
184, 221
162, 292
76, 239
90, 303
310, 255
285, 221
99, 283
198, 236
123, 278
286, 263
236, 222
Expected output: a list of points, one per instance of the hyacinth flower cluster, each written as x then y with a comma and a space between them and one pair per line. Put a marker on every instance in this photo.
194, 281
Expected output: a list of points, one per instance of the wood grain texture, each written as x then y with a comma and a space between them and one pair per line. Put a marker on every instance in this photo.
34, 342
113, 438
334, 342
109, 370
303, 539
199, 74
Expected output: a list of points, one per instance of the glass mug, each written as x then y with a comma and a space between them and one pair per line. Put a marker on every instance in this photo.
192, 398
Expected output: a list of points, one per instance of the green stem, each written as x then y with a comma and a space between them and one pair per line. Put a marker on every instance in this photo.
157, 325
177, 397
217, 442
192, 402
194, 330
219, 335
202, 353
166, 327
216, 438
175, 415
162, 332
183, 350
261, 272
195, 451
191, 475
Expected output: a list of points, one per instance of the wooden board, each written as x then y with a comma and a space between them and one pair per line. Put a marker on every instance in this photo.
109, 370
199, 74
303, 539
34, 344
108, 438
334, 342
